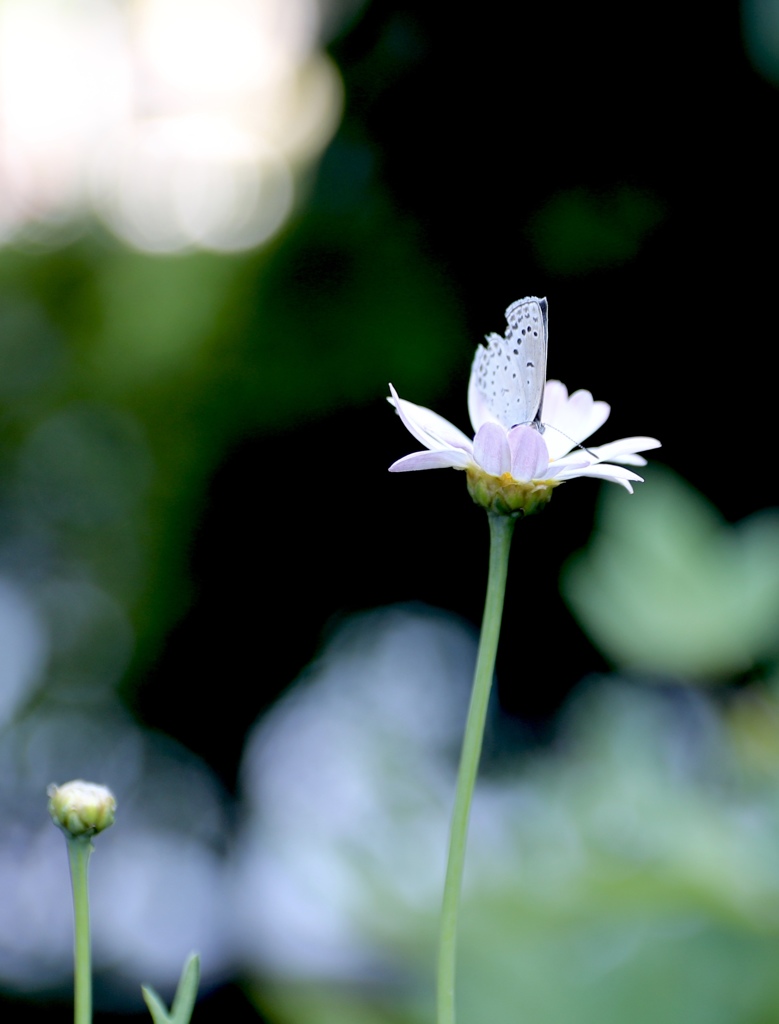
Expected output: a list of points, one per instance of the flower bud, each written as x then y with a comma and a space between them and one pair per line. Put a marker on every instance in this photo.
505, 496
81, 808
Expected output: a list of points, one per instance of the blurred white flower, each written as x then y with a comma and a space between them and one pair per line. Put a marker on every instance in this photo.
346, 792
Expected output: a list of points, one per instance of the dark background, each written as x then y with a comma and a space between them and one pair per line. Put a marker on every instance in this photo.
470, 128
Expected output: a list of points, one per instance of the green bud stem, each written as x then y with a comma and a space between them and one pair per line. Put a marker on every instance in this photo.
79, 850
501, 529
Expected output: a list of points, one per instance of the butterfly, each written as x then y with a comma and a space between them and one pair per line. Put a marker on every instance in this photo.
510, 373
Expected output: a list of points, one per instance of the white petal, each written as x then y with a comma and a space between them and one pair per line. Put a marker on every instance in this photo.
430, 429
557, 469
628, 460
529, 455
573, 421
625, 450
452, 459
603, 471
491, 449
558, 444
599, 413
555, 397
578, 457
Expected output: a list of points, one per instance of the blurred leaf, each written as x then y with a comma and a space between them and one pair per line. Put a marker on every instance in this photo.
325, 1003
156, 319
129, 376
760, 31
578, 231
666, 586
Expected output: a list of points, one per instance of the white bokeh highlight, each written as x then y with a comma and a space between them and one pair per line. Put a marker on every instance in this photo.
180, 124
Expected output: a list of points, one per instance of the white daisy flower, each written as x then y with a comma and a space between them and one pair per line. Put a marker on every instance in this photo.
517, 459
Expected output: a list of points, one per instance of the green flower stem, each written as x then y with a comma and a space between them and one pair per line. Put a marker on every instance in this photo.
501, 529
79, 850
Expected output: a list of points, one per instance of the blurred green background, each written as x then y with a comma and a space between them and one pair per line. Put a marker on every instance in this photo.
225, 227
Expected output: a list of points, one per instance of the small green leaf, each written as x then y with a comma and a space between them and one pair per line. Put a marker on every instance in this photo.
183, 1001
186, 993
156, 1006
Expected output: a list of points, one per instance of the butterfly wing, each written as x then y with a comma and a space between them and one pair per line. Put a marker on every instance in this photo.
511, 371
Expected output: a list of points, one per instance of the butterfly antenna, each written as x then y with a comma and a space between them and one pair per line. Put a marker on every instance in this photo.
576, 444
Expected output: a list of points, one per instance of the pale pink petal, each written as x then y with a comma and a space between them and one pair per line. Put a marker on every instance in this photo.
430, 429
491, 449
529, 456
452, 459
